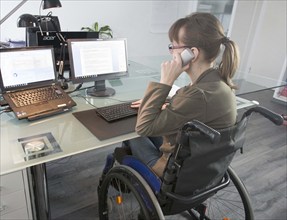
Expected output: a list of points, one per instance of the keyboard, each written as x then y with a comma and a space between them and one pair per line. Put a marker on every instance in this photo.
34, 96
117, 112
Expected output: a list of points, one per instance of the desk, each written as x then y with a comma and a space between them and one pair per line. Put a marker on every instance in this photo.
70, 135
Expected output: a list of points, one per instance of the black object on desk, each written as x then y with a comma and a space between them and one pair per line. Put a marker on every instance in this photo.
115, 112
103, 129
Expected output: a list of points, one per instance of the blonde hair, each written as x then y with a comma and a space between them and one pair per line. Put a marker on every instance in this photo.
204, 31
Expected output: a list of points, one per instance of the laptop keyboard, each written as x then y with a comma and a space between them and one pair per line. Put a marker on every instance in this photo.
116, 112
34, 96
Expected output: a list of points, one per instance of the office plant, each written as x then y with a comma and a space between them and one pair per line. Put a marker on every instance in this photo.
104, 31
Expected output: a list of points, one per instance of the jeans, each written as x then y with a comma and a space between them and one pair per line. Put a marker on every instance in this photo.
146, 149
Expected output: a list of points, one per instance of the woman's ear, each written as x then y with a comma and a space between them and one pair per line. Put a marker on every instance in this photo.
195, 52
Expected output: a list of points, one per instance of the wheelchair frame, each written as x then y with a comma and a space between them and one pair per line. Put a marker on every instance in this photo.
151, 197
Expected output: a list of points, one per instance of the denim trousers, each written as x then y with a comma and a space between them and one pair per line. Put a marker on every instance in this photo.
145, 148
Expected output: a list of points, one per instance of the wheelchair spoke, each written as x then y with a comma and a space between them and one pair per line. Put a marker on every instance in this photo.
226, 204
230, 209
122, 196
123, 204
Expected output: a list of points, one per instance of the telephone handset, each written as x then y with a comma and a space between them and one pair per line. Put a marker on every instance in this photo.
186, 56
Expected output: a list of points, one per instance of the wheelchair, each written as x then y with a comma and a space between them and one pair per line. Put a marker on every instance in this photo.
198, 180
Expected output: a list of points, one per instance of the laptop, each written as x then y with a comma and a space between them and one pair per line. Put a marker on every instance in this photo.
28, 81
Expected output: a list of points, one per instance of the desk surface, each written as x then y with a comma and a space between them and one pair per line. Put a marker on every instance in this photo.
70, 134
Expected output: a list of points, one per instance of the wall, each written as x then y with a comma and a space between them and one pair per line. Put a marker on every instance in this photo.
270, 42
259, 28
141, 22
260, 31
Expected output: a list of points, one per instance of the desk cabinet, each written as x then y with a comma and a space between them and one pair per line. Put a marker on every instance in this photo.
14, 193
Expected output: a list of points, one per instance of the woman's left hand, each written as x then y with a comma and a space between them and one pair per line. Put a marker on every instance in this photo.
136, 104
171, 70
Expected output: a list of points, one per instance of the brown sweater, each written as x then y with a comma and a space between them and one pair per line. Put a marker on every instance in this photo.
209, 100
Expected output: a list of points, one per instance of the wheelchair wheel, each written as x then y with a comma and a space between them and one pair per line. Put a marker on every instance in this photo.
124, 194
232, 202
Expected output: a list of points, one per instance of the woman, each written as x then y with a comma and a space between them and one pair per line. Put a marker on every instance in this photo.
209, 98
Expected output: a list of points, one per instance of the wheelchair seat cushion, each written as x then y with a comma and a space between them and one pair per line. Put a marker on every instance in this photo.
152, 179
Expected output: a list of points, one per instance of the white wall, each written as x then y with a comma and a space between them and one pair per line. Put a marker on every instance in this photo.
259, 28
139, 21
270, 42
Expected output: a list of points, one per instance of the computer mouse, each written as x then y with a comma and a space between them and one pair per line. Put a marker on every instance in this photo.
34, 146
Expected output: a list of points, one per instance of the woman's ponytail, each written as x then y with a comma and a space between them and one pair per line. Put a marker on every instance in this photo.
230, 61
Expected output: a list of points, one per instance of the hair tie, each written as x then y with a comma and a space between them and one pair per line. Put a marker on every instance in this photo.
225, 40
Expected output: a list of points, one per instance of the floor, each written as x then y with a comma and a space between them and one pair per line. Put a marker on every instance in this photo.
72, 182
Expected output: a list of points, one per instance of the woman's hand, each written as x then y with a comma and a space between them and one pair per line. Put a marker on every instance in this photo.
136, 104
163, 107
171, 70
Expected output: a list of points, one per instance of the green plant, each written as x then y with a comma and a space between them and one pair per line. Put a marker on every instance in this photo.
103, 31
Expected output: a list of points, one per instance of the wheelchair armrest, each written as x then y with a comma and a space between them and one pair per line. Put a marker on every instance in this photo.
206, 193
197, 125
277, 119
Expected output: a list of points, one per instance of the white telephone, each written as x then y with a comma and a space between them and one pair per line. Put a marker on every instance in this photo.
186, 56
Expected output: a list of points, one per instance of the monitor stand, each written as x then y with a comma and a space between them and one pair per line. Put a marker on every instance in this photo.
100, 90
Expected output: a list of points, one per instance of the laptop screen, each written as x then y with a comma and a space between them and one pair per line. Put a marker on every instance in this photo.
21, 67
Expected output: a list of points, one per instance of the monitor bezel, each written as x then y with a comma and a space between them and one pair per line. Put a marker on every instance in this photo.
29, 85
92, 78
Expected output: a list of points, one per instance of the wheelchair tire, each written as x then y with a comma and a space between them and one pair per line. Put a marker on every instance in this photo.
124, 194
231, 202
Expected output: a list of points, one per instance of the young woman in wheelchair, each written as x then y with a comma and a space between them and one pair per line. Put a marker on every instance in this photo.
209, 97
188, 142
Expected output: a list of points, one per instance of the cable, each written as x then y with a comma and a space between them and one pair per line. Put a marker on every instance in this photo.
76, 89
7, 109
86, 100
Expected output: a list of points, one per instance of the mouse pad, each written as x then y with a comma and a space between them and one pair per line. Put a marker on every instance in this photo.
103, 129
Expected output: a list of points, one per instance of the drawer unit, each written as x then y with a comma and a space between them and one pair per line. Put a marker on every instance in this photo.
14, 196
15, 215
11, 182
12, 201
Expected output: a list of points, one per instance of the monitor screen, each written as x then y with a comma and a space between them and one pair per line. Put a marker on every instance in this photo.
28, 66
59, 41
98, 60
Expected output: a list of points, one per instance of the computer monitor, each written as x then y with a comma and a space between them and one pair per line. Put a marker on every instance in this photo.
98, 60
47, 23
59, 41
